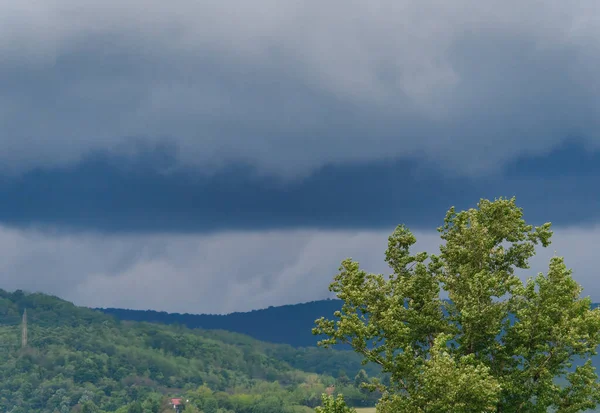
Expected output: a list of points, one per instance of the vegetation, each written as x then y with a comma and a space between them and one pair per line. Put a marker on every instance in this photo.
495, 345
332, 404
80, 360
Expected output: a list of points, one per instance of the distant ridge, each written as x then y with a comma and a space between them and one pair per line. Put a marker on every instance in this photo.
289, 324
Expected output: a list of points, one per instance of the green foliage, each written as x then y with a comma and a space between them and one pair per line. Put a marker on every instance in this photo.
495, 345
334, 405
80, 360
309, 359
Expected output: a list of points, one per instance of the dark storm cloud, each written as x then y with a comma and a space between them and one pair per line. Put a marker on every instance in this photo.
298, 132
289, 87
105, 194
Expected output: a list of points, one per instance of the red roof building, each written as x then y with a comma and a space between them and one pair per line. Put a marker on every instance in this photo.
177, 404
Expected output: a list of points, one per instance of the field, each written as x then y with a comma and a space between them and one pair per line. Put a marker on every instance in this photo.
365, 410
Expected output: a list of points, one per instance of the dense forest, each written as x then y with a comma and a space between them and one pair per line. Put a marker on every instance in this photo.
75, 359
294, 322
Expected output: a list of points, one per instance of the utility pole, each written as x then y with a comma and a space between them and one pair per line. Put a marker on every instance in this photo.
24, 330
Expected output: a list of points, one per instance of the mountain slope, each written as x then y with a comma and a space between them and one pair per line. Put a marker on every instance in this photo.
78, 359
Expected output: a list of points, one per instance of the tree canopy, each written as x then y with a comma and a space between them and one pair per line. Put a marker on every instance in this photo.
79, 360
332, 404
460, 331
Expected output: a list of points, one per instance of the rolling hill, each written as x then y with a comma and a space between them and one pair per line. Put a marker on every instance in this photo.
81, 360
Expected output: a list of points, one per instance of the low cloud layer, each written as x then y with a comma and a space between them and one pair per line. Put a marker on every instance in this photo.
289, 86
109, 195
224, 272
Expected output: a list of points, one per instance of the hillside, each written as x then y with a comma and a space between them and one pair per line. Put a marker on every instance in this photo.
78, 359
294, 322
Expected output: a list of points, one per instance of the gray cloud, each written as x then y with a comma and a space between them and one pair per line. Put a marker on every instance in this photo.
289, 86
224, 272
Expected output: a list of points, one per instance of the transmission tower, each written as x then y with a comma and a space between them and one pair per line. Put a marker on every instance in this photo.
24, 330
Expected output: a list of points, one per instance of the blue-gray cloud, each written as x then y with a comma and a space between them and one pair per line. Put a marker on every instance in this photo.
107, 194
289, 87
271, 139
224, 272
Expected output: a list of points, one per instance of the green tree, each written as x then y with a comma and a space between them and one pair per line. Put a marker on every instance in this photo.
89, 407
135, 407
497, 344
360, 378
332, 404
190, 408
152, 403
210, 405
343, 379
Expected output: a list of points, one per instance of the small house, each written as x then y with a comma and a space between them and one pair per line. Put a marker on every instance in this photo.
177, 404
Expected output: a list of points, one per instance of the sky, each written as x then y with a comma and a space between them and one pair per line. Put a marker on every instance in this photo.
211, 157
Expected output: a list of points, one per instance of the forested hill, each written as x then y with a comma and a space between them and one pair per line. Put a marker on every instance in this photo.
293, 322
81, 360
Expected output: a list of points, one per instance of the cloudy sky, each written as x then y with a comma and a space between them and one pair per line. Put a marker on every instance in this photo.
211, 156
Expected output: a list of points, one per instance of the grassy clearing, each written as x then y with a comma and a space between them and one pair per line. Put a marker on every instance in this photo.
365, 410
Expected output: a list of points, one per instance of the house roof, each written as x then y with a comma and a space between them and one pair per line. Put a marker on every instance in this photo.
175, 402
